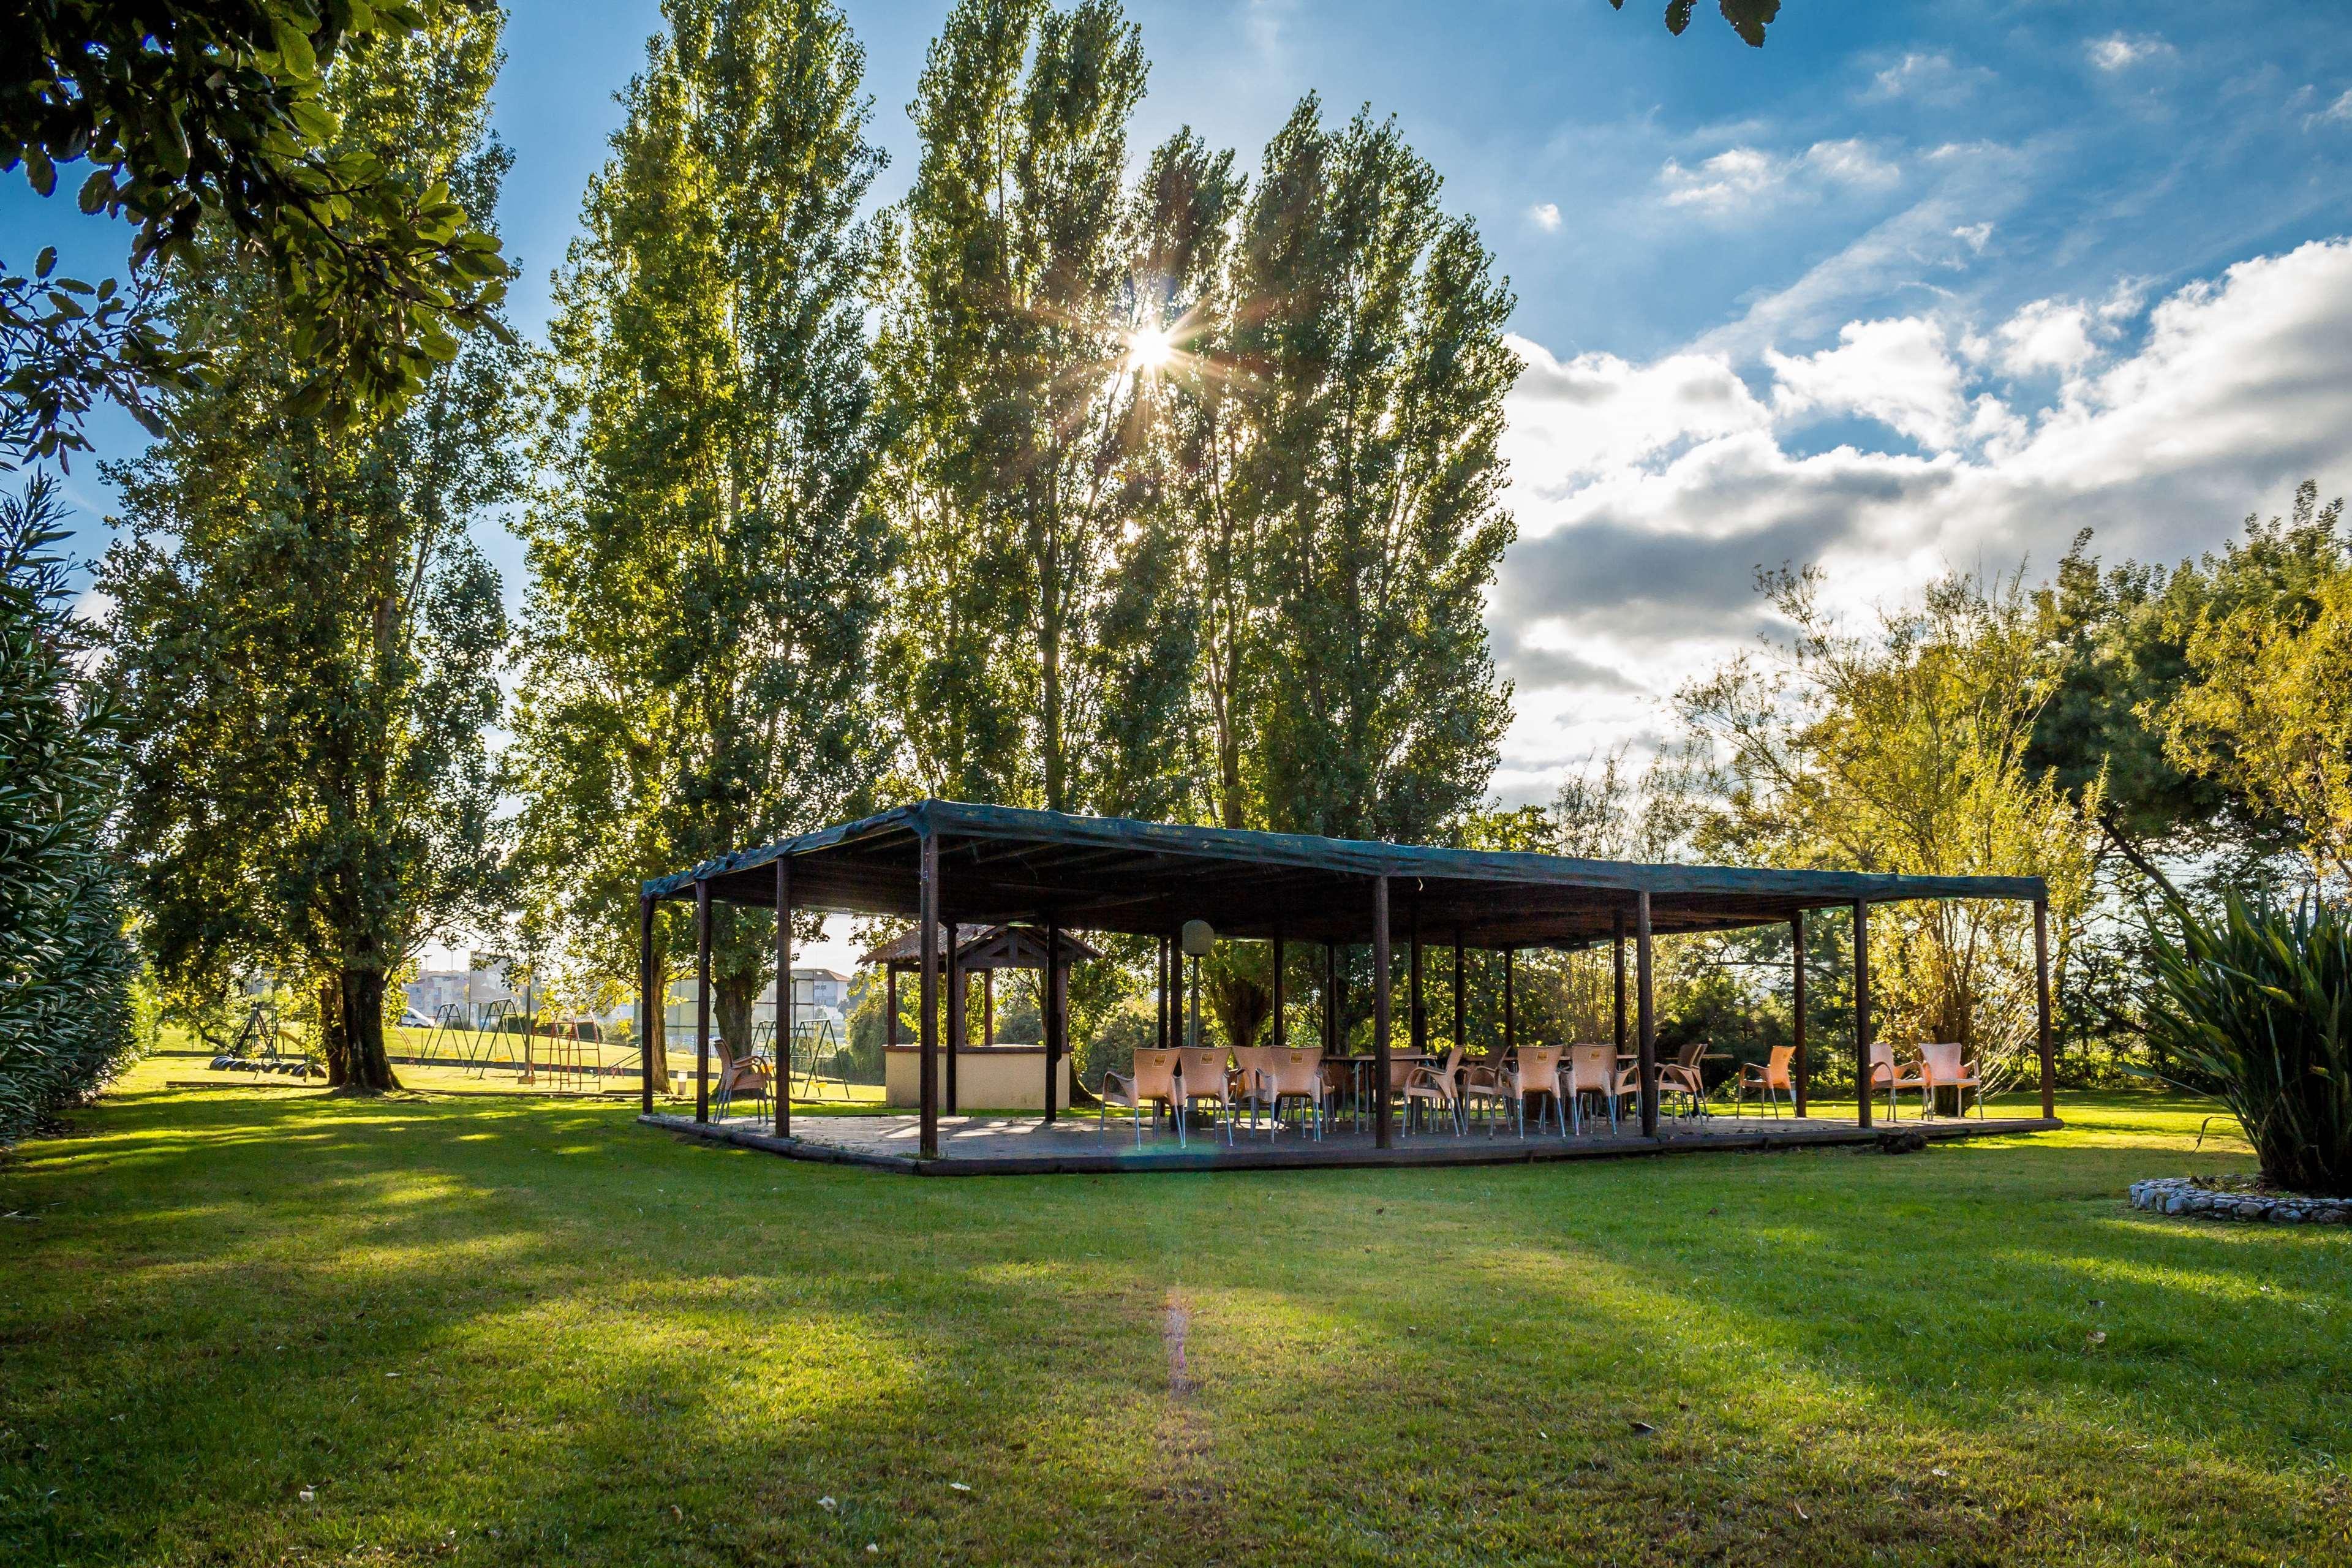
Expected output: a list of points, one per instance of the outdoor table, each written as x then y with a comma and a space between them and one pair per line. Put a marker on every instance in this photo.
1360, 1073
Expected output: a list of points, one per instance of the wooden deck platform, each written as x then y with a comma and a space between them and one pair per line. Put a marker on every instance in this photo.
1007, 1146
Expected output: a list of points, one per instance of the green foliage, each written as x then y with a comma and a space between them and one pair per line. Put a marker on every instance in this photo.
2260, 1001
306, 640
1905, 753
230, 112
65, 966
706, 555
1038, 652
1748, 18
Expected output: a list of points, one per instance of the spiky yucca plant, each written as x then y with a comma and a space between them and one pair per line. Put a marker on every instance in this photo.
2261, 1000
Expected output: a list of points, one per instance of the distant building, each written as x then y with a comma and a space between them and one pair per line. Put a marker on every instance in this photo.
434, 989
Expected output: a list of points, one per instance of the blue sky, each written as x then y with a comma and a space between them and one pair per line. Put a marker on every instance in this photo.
1916, 286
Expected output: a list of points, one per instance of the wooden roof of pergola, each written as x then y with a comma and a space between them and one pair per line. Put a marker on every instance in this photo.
1007, 866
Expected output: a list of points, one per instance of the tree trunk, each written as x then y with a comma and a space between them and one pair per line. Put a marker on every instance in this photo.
331, 1032
731, 996
370, 1070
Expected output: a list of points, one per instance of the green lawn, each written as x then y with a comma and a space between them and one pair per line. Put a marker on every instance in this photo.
524, 1331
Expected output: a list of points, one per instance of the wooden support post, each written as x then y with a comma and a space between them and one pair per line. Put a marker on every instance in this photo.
889, 1003
927, 1004
1160, 992
1051, 1007
1861, 1011
1797, 1005
783, 1085
1620, 917
957, 981
1383, 1131
1417, 1017
1280, 1037
1648, 1022
2042, 1007
652, 997
988, 1008
1510, 1019
1176, 991
702, 1001
1331, 998
1461, 1007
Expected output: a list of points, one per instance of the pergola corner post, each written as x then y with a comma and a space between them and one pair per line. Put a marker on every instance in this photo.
1861, 1014
652, 1015
1052, 999
928, 990
1797, 1009
786, 1011
958, 988
1281, 1036
1647, 1026
702, 999
2042, 1009
1384, 1130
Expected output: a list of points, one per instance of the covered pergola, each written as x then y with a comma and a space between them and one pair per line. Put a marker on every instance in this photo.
939, 862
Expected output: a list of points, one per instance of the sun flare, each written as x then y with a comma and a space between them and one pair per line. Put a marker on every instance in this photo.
1148, 349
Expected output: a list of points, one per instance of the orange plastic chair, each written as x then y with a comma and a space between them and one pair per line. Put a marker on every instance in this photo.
1246, 1084
1535, 1074
1491, 1082
1684, 1076
1883, 1070
1434, 1087
1590, 1069
1201, 1075
1295, 1076
1945, 1069
1769, 1078
1152, 1083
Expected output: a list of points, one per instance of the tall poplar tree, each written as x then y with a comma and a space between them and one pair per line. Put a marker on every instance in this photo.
304, 639
1035, 651
1367, 343
705, 554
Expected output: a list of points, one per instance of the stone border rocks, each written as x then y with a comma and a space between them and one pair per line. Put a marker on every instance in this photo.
2194, 1196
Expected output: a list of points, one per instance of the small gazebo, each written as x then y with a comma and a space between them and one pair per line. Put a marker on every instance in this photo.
999, 1076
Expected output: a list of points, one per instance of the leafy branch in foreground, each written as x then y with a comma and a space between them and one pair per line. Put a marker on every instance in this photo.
1748, 18
190, 109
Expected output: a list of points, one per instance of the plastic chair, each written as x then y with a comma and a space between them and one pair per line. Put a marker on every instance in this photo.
1946, 1069
1590, 1069
1152, 1083
1252, 1065
1489, 1082
1536, 1075
1434, 1087
1295, 1076
1201, 1075
1767, 1078
1685, 1076
1882, 1069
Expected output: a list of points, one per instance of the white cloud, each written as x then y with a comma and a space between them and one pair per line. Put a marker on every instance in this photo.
1973, 236
1545, 216
1644, 515
1898, 372
2118, 52
1741, 177
2336, 113
1926, 79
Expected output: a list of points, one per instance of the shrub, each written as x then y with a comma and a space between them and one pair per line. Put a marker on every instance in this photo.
2260, 1002
65, 966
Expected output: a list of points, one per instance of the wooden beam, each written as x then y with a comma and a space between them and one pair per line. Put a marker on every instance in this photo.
1331, 998
652, 1011
1862, 1010
1797, 1005
1050, 1009
927, 1027
1510, 1019
1278, 1035
2041, 1007
702, 1001
1648, 1049
1383, 1132
783, 1085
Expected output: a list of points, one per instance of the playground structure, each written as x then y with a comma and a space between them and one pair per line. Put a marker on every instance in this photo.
816, 1065
565, 1055
259, 1048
